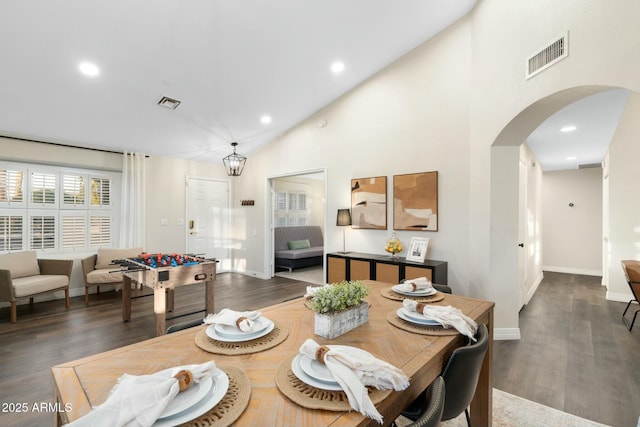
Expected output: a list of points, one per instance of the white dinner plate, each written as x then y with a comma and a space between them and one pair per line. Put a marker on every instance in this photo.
212, 333
414, 317
418, 293
259, 325
218, 390
319, 371
187, 398
302, 376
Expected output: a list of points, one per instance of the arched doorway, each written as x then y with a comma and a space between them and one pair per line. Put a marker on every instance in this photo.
506, 188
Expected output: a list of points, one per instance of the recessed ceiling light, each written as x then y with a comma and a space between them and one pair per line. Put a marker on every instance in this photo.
570, 128
571, 158
265, 120
89, 69
337, 67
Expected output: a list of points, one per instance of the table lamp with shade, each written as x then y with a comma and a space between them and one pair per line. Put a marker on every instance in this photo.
343, 220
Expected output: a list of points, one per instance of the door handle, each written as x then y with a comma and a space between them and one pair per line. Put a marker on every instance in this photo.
192, 223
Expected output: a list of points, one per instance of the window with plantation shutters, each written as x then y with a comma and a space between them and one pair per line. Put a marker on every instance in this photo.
73, 191
43, 189
42, 235
100, 192
56, 209
100, 231
11, 187
73, 232
11, 233
291, 209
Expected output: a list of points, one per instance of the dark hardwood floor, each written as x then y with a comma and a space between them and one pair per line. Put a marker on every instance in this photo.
575, 353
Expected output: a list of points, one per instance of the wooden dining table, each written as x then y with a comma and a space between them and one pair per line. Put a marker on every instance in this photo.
82, 384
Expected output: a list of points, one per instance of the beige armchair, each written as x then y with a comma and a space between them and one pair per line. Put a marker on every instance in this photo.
22, 275
99, 269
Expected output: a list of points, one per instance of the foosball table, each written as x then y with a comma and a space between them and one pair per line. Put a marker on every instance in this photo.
163, 273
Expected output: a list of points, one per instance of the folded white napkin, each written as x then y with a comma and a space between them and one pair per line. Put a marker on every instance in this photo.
448, 316
353, 374
245, 320
412, 285
138, 400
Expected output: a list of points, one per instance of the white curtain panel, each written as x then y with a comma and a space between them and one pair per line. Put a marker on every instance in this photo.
133, 200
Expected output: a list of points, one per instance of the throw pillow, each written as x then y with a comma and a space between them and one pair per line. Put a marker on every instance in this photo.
299, 244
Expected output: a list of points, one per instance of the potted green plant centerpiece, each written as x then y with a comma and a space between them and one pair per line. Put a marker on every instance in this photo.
340, 308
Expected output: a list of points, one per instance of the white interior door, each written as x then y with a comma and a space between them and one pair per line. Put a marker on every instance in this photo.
208, 220
522, 234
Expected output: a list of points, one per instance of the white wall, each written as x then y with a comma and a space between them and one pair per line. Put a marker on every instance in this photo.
396, 123
166, 198
444, 107
624, 204
572, 238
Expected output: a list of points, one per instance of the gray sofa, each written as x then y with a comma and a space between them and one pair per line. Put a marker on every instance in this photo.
286, 238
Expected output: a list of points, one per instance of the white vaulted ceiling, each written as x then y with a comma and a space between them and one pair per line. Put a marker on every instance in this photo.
228, 62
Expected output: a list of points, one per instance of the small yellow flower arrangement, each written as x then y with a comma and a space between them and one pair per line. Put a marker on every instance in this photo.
393, 245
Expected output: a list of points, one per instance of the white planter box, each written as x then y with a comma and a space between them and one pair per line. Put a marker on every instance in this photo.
334, 325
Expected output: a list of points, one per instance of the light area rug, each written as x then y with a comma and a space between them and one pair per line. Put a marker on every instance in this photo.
311, 275
510, 411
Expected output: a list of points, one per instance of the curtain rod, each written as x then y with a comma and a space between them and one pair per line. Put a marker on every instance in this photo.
64, 145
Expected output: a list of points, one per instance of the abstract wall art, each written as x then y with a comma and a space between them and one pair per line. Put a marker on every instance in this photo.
415, 201
369, 202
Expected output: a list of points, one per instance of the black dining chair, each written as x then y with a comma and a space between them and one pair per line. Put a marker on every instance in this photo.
433, 400
460, 375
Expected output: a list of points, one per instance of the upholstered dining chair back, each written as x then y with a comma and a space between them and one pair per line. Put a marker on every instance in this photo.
434, 405
461, 375
631, 270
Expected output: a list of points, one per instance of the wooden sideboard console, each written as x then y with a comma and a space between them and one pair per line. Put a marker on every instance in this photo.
383, 268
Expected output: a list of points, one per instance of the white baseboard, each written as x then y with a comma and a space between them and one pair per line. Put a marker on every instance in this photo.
618, 296
505, 334
572, 270
532, 290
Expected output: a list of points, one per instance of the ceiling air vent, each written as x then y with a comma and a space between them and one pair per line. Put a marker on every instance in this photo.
546, 57
169, 102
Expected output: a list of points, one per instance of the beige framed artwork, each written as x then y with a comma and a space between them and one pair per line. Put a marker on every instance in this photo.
415, 201
369, 202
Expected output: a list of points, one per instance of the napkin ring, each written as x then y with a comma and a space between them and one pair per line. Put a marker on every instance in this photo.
420, 307
185, 379
320, 352
414, 287
240, 320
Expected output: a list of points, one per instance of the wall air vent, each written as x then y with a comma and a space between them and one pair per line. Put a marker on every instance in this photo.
549, 55
589, 165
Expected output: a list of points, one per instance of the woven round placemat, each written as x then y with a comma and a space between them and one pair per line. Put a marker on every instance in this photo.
314, 398
272, 339
391, 294
393, 318
233, 403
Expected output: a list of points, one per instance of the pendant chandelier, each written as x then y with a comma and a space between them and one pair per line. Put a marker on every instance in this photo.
234, 163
